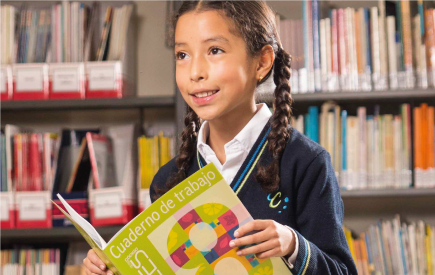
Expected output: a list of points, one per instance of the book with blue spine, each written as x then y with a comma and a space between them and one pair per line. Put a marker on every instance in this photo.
316, 46
368, 68
313, 123
343, 141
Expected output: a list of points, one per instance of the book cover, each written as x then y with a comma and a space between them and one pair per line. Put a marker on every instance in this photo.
186, 231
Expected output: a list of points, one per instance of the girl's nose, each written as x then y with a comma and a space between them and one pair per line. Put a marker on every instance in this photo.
199, 69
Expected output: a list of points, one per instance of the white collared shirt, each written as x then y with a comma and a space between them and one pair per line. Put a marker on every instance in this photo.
236, 151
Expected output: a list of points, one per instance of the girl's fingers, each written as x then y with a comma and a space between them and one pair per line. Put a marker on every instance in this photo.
251, 226
93, 269
93, 257
251, 239
268, 254
259, 248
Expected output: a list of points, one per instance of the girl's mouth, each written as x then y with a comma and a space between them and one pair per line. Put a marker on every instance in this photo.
204, 97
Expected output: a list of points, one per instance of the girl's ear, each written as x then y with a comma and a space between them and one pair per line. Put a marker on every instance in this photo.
265, 62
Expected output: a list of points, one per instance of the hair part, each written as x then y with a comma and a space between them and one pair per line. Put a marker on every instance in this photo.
254, 21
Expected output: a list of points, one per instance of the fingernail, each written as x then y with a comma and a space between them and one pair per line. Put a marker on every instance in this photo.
236, 234
109, 273
239, 253
232, 244
102, 267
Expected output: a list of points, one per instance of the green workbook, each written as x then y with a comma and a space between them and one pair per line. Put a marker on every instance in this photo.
186, 231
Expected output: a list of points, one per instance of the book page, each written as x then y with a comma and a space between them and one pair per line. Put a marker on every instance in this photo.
91, 236
82, 223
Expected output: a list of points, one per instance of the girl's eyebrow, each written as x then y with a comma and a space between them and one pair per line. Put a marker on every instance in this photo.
211, 39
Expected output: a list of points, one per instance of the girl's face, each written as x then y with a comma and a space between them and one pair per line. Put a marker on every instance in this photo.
213, 71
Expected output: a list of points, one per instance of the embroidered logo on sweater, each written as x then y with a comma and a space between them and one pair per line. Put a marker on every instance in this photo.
276, 200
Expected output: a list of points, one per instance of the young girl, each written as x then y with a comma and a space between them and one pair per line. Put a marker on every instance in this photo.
224, 50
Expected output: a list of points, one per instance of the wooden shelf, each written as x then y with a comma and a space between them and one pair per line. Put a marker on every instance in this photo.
372, 193
80, 104
52, 235
394, 95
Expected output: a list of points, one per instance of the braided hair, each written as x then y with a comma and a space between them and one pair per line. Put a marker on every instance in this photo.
255, 22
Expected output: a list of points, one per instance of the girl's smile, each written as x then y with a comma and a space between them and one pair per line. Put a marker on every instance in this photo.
203, 96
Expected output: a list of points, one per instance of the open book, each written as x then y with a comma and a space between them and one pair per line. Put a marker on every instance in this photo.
186, 231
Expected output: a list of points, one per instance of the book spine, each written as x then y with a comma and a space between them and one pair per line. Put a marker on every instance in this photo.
400, 36
368, 42
323, 54
407, 42
382, 39
375, 40
344, 147
335, 43
392, 56
328, 48
316, 46
430, 44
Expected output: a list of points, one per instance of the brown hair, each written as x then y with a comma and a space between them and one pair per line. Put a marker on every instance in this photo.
255, 23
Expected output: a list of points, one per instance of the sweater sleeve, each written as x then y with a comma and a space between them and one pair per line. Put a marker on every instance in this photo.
323, 248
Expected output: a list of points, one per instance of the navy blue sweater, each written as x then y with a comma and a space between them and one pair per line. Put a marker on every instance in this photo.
308, 200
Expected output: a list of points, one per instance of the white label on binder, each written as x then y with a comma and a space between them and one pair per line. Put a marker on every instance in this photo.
66, 80
29, 79
2, 81
32, 208
146, 198
102, 78
108, 205
4, 214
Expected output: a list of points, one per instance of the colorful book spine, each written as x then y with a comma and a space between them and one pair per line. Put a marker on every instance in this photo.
316, 46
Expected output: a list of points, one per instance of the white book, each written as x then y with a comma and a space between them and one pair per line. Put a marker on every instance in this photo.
328, 43
382, 39
374, 33
392, 55
3, 29
370, 153
323, 58
300, 124
413, 249
352, 138
377, 153
398, 250
362, 145
398, 154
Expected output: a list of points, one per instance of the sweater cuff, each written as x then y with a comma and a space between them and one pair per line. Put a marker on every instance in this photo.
292, 259
303, 257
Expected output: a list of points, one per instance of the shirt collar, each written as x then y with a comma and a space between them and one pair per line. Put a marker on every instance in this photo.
246, 137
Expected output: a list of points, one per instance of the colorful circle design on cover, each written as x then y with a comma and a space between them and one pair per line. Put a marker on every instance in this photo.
200, 239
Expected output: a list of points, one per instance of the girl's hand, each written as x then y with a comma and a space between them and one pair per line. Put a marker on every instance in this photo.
273, 239
94, 265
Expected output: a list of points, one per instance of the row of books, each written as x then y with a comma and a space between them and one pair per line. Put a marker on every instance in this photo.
154, 152
375, 150
62, 33
30, 261
389, 46
394, 248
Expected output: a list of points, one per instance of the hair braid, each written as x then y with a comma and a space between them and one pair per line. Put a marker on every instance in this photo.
268, 177
187, 151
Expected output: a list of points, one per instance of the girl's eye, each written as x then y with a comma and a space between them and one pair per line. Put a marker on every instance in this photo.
215, 50
179, 55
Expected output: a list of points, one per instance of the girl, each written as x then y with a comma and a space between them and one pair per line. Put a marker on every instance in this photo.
224, 50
